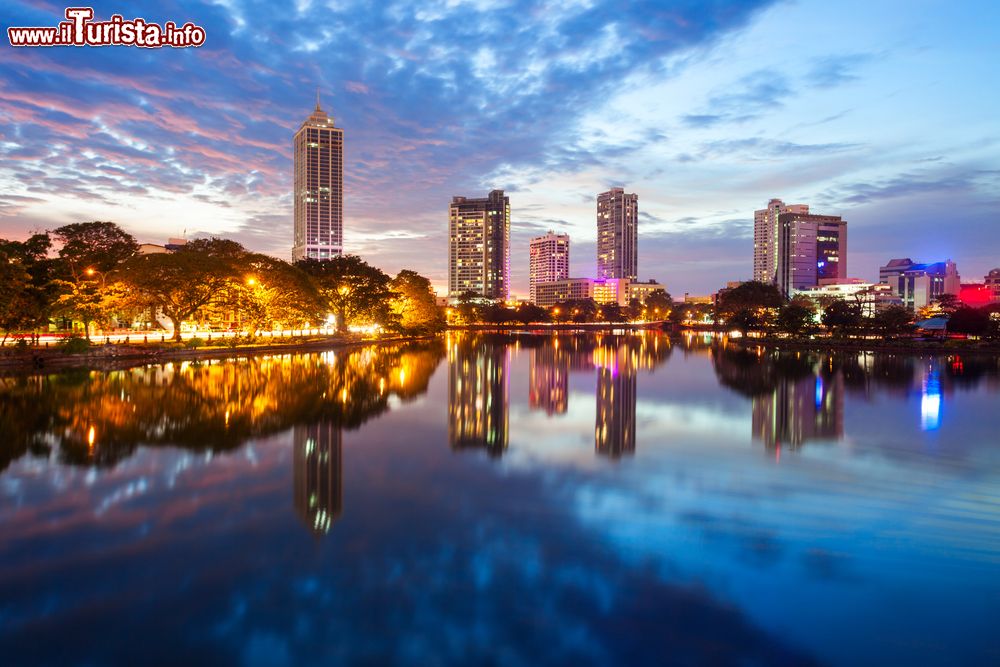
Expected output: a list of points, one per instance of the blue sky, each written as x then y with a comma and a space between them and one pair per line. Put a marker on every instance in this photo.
882, 112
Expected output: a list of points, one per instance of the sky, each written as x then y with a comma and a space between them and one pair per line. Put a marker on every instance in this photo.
885, 113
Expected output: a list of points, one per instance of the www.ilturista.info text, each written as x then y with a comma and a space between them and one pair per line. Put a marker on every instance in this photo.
81, 30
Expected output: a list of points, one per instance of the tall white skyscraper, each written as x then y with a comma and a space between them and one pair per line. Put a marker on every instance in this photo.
549, 257
765, 238
318, 153
617, 234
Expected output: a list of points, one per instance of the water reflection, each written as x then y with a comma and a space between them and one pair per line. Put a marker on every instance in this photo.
101, 417
318, 474
609, 506
478, 385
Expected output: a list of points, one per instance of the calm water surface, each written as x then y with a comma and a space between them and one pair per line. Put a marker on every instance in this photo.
519, 500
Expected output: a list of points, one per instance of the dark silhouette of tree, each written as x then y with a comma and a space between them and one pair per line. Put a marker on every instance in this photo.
969, 321
842, 316
796, 317
95, 246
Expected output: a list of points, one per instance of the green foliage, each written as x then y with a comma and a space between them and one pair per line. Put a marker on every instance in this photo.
658, 305
194, 343
74, 345
749, 305
355, 291
26, 287
413, 304
182, 282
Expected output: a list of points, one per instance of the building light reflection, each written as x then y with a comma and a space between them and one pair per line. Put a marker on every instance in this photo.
930, 402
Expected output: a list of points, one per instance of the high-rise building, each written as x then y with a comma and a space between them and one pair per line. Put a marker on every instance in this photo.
617, 234
919, 284
549, 257
811, 248
765, 238
479, 246
317, 477
318, 181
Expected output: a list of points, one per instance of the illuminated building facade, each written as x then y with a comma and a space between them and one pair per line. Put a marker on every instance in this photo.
765, 238
478, 383
993, 285
873, 297
479, 246
569, 289
918, 285
617, 234
811, 249
318, 182
318, 474
549, 261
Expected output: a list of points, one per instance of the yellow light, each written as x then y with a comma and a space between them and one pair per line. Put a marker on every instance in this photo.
90, 272
91, 437
251, 281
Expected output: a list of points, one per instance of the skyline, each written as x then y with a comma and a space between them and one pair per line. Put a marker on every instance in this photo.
888, 123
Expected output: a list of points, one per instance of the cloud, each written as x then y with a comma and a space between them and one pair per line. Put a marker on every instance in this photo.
837, 70
750, 97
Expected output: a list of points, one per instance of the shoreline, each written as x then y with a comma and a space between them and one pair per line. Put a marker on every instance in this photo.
977, 348
112, 357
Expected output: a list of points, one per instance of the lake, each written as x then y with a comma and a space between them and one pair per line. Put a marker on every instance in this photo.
505, 500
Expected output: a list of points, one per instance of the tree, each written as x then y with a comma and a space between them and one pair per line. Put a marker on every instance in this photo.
180, 283
612, 312
969, 321
414, 303
796, 317
274, 292
14, 282
947, 303
658, 305
756, 303
98, 246
470, 307
526, 313
842, 316
27, 283
89, 301
355, 291
893, 321
582, 310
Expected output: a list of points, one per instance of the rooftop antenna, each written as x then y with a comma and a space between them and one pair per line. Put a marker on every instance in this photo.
317, 99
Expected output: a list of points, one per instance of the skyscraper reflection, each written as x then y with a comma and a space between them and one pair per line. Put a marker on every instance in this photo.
614, 430
318, 474
478, 384
800, 409
548, 378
